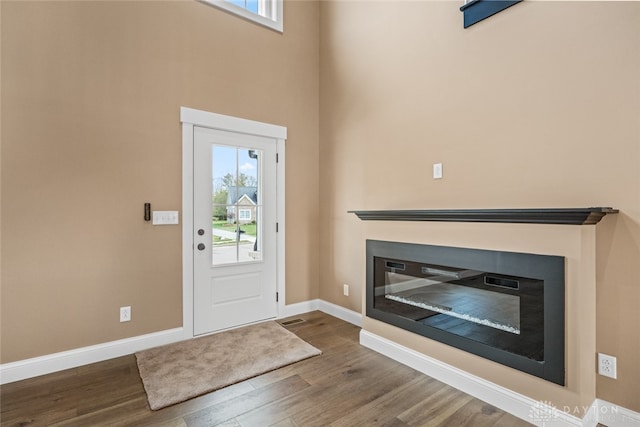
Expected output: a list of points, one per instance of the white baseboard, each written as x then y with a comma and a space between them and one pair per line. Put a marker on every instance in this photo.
530, 410
297, 308
331, 309
615, 416
538, 413
341, 313
28, 368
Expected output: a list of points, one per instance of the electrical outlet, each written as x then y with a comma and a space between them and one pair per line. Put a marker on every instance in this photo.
607, 366
125, 314
345, 290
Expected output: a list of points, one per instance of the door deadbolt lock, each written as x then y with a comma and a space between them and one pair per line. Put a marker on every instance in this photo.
201, 232
201, 246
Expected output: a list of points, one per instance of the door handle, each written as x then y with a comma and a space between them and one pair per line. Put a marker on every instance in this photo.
201, 246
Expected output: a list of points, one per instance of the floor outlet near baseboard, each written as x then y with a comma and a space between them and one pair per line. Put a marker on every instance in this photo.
345, 290
291, 322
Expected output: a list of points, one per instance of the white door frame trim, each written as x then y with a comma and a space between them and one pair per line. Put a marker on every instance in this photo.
190, 118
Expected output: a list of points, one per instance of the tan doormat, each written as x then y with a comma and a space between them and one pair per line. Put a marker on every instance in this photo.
181, 371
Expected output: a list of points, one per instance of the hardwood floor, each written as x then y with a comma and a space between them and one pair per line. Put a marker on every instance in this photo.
348, 385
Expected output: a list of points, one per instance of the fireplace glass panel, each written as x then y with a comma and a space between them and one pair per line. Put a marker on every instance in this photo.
502, 311
460, 300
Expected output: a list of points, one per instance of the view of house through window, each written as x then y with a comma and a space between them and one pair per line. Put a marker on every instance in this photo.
237, 205
244, 215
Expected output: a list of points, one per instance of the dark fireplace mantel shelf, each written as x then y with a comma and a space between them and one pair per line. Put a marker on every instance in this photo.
567, 216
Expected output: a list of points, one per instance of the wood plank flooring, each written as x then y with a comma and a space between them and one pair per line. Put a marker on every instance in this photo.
348, 385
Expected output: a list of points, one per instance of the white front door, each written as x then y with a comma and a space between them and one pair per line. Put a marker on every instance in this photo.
234, 226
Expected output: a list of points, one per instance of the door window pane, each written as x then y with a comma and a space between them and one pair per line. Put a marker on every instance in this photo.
236, 205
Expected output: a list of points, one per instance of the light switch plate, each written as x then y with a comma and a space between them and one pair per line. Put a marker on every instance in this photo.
165, 217
437, 171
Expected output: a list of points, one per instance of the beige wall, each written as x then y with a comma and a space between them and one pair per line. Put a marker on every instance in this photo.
90, 131
538, 106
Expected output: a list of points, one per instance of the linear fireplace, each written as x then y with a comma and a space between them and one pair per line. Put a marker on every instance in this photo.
505, 306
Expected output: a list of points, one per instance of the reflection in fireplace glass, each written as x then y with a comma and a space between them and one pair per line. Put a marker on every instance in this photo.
495, 309
490, 308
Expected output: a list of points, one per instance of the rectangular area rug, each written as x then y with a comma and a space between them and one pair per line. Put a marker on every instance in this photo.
176, 372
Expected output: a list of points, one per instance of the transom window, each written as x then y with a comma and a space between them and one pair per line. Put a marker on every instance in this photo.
263, 12
250, 5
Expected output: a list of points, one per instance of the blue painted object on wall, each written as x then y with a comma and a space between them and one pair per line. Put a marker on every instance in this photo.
477, 10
